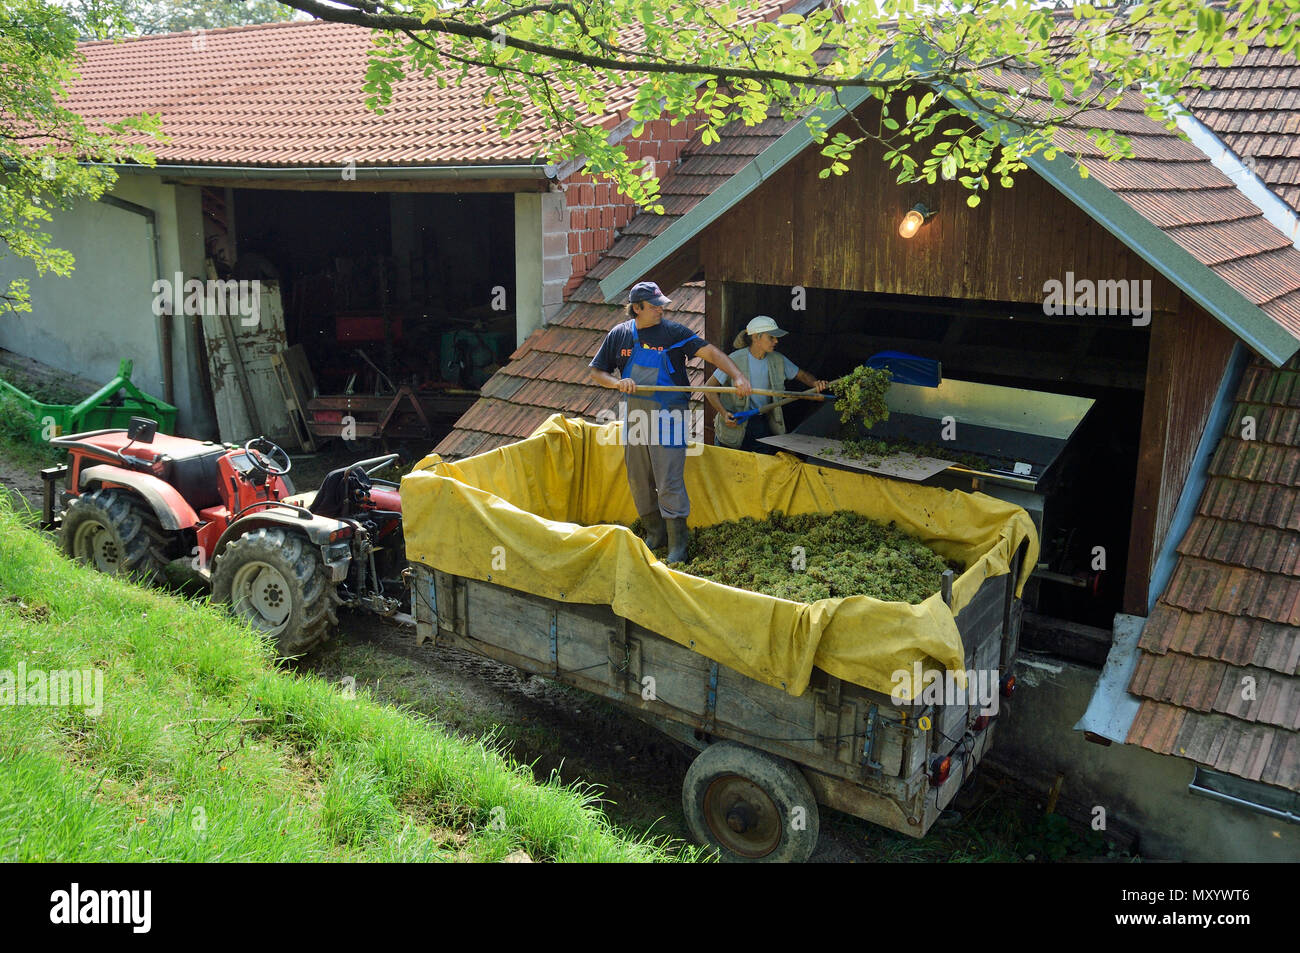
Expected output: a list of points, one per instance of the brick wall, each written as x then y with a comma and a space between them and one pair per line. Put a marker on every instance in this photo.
597, 212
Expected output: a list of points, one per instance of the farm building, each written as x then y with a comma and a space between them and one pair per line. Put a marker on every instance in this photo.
1163, 689
417, 249
414, 248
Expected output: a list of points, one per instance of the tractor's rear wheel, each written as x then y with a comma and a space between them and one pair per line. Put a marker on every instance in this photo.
274, 578
116, 532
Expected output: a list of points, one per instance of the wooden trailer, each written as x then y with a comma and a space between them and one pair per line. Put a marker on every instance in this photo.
767, 758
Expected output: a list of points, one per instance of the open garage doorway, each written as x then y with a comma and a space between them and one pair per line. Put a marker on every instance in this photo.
382, 295
1084, 502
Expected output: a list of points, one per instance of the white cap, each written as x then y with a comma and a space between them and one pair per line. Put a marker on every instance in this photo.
762, 324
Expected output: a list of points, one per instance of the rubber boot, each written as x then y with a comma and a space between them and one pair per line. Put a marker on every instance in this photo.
656, 533
679, 540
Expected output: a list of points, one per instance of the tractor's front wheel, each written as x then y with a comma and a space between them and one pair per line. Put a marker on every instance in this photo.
274, 578
116, 532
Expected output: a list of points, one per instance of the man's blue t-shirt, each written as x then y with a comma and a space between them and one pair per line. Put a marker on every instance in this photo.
616, 350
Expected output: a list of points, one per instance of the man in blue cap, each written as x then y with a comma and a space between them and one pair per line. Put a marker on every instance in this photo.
647, 350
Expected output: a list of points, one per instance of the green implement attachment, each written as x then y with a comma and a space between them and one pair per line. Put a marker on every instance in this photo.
101, 410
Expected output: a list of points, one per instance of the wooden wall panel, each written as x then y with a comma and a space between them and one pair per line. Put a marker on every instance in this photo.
1189, 353
842, 233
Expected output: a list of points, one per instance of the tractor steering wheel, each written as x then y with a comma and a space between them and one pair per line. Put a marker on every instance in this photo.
263, 459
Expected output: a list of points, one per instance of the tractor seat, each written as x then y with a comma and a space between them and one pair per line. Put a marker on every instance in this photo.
338, 491
304, 499
196, 478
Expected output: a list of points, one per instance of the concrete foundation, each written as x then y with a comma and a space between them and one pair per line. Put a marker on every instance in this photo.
1139, 790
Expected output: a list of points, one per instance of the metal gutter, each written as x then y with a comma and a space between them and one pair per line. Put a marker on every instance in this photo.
1207, 783
1197, 280
164, 328
1276, 212
333, 172
1112, 708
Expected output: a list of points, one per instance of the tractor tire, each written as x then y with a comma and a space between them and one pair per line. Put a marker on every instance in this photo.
118, 533
750, 807
275, 580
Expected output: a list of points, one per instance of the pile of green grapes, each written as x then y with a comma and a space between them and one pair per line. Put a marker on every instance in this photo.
817, 556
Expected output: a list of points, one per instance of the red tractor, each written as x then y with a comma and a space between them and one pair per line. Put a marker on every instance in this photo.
135, 500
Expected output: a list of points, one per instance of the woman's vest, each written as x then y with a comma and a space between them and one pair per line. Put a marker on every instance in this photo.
734, 436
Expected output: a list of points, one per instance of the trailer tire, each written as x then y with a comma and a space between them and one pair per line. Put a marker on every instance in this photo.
750, 806
276, 581
118, 533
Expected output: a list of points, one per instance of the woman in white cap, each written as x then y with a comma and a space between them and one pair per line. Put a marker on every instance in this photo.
756, 353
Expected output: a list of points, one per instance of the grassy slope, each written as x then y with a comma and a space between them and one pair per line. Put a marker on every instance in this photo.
205, 751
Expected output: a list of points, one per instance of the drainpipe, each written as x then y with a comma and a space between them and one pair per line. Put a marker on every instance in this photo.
164, 319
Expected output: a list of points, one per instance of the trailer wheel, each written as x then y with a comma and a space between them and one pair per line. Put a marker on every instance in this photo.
276, 581
750, 806
116, 532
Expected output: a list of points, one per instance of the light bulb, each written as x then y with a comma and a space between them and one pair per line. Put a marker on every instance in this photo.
911, 223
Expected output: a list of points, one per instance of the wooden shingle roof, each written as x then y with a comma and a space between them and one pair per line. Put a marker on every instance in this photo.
1219, 659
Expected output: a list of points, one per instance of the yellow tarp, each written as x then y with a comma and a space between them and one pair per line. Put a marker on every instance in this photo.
510, 517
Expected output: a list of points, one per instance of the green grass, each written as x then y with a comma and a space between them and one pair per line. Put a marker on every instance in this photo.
205, 751
16, 423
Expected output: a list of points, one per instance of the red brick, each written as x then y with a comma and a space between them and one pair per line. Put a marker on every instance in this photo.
587, 193
573, 243
603, 237
571, 196
621, 216
592, 219
579, 264
607, 217
602, 194
587, 241
591, 261
575, 219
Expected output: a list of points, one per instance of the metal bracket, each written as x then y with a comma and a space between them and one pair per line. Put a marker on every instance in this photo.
624, 659
869, 741
711, 702
555, 641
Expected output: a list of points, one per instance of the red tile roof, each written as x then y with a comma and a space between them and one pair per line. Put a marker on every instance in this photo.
290, 94
1230, 616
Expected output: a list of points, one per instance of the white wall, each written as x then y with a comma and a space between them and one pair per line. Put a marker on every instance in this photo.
86, 323
541, 259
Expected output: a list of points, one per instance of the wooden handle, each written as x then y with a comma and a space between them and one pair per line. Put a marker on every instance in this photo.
650, 388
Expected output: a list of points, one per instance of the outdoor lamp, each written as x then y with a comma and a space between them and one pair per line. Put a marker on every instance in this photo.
917, 216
